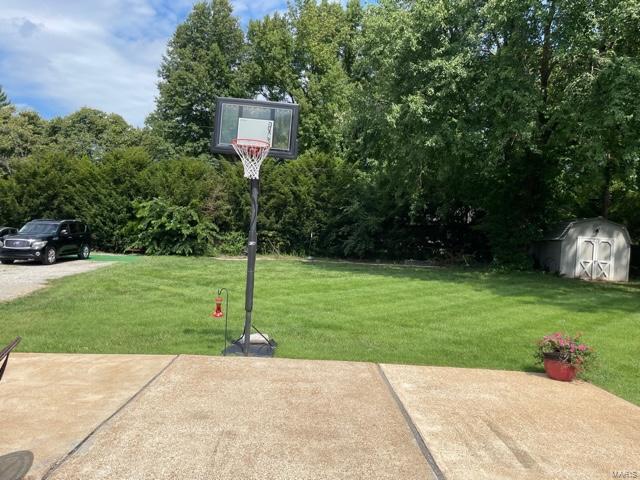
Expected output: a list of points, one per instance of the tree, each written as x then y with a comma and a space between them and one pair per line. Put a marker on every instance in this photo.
10, 209
92, 133
302, 203
303, 57
503, 110
268, 69
517, 123
602, 107
413, 127
52, 184
201, 63
323, 86
4, 100
165, 229
607, 132
21, 134
354, 15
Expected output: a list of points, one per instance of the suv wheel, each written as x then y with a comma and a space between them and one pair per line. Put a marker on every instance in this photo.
84, 252
49, 257
8, 261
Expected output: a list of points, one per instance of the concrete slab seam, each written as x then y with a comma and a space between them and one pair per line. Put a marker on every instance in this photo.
412, 426
58, 463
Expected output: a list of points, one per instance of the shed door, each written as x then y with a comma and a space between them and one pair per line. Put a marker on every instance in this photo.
594, 260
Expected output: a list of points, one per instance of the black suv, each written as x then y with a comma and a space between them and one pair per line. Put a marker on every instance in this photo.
46, 241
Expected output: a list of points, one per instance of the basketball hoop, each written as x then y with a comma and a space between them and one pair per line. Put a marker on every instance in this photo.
254, 129
252, 153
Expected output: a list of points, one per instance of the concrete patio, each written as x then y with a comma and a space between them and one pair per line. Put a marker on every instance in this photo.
164, 417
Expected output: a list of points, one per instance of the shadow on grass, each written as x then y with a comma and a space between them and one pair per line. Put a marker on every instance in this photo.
527, 287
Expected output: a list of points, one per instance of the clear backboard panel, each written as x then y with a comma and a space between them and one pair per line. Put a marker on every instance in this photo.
228, 121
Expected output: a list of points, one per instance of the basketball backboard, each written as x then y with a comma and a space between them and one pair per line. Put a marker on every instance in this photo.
273, 122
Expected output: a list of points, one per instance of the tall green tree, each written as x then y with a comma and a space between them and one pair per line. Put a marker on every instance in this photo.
269, 66
519, 96
92, 133
601, 110
201, 63
509, 111
354, 15
21, 134
304, 57
323, 86
412, 127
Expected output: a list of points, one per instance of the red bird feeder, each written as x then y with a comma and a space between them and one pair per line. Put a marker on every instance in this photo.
218, 313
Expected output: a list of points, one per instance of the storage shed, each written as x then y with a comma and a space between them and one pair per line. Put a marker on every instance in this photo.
589, 248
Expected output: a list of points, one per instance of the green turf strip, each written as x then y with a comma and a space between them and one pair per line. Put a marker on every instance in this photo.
102, 257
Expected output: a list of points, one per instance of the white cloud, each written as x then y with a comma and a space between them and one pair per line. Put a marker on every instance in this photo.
59, 56
76, 53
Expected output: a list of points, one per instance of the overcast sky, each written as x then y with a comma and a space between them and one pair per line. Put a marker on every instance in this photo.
58, 56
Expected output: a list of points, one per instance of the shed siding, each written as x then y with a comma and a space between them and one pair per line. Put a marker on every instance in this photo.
560, 255
548, 255
568, 260
597, 228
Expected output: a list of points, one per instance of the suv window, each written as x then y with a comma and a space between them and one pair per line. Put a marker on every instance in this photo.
45, 228
75, 228
64, 226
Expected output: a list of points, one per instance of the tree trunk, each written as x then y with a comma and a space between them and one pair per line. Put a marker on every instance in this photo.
606, 188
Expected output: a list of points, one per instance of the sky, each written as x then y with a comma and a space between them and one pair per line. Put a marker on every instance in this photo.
61, 55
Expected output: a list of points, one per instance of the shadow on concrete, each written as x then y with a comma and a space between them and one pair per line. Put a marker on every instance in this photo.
15, 465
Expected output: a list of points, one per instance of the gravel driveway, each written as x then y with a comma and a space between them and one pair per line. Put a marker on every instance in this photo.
23, 278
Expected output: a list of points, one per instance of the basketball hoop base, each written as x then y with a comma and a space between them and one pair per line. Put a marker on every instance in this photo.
260, 345
255, 349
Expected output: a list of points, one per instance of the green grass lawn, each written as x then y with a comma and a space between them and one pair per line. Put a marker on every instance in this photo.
456, 317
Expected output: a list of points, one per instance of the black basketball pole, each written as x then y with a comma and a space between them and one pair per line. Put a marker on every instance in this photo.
252, 248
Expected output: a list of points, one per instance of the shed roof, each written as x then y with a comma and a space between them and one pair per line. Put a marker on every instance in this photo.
560, 230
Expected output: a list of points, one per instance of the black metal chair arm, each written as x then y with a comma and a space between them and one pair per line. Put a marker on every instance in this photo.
5, 352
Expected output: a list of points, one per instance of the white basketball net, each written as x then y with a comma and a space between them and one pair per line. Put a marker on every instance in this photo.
252, 153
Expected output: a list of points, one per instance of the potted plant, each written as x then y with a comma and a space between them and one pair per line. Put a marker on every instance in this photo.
563, 356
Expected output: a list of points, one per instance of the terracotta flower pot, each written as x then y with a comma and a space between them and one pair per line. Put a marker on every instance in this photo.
558, 370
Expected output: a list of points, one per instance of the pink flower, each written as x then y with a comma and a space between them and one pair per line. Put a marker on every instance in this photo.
582, 348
